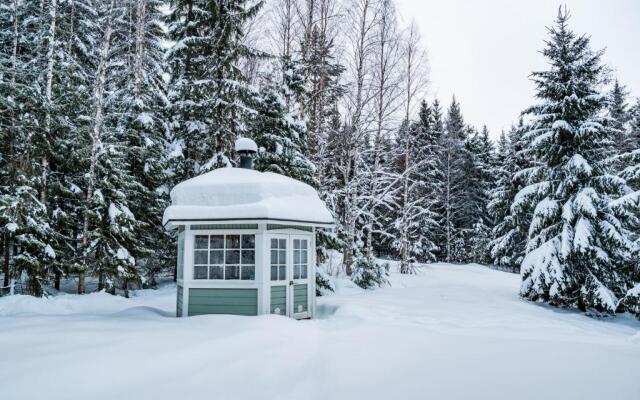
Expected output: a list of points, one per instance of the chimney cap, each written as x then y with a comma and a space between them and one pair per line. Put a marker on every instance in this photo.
246, 145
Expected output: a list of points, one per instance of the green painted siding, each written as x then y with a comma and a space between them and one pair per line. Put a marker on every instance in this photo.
223, 301
279, 299
271, 227
179, 304
300, 298
223, 226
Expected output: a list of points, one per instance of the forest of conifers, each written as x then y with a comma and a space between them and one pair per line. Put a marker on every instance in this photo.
105, 105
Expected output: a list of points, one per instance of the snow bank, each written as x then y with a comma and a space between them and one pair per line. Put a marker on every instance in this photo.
235, 193
93, 303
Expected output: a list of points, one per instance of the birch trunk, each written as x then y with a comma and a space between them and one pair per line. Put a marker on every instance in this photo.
53, 13
96, 134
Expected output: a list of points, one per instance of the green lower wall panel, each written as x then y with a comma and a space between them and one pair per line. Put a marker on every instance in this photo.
279, 299
223, 301
300, 298
179, 302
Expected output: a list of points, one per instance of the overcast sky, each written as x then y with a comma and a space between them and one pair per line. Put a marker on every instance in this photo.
483, 51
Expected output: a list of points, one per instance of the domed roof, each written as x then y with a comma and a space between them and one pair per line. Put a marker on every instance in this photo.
226, 194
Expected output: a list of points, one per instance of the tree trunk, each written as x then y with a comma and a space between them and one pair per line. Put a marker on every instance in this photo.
100, 281
81, 282
56, 281
5, 263
98, 98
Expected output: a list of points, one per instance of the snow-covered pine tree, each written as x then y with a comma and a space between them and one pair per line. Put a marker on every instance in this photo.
509, 233
481, 162
322, 73
142, 129
630, 162
428, 144
414, 219
453, 206
210, 99
281, 135
619, 112
77, 33
24, 217
578, 249
110, 231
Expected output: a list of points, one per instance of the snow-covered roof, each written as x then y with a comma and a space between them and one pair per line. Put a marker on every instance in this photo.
227, 194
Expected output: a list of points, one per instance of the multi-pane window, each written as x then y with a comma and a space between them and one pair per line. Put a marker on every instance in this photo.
300, 259
278, 259
228, 257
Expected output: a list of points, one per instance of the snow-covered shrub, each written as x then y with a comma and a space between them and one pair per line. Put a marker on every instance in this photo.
323, 284
367, 273
632, 300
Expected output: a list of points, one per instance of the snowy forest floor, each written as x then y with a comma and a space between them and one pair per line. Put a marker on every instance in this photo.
450, 332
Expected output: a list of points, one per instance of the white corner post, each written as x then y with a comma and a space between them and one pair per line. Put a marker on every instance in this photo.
187, 273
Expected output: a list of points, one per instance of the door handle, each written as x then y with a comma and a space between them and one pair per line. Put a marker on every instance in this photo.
290, 283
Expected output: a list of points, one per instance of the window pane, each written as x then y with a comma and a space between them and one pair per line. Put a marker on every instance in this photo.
303, 244
296, 256
215, 272
295, 272
232, 272
303, 272
274, 273
274, 243
274, 257
304, 257
201, 241
282, 243
248, 241
200, 257
282, 272
233, 241
248, 272
282, 258
296, 243
217, 241
217, 257
200, 272
248, 257
233, 257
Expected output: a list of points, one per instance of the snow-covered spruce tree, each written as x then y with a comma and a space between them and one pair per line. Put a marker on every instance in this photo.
429, 144
509, 234
281, 135
480, 164
210, 99
141, 127
457, 216
72, 77
415, 165
630, 162
24, 218
110, 232
368, 273
619, 112
578, 249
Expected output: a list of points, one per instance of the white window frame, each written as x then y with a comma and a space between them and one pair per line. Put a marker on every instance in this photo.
224, 234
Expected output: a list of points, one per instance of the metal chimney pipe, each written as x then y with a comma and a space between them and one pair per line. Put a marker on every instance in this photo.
246, 148
246, 159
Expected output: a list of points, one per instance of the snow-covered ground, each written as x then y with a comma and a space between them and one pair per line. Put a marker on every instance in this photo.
451, 332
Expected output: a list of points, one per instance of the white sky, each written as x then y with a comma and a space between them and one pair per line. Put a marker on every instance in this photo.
484, 50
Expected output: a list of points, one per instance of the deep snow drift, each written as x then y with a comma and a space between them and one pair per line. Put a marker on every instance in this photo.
451, 332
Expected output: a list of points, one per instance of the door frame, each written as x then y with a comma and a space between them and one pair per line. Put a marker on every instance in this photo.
293, 282
267, 274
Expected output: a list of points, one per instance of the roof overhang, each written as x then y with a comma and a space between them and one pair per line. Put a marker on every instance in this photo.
174, 223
